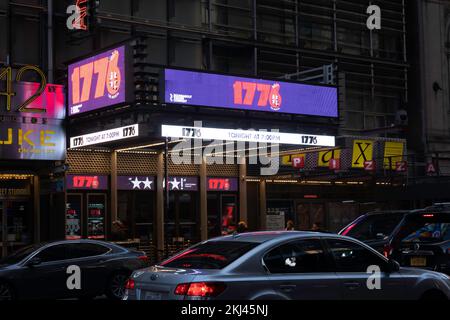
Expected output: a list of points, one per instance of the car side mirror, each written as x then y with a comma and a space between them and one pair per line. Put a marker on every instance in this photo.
35, 261
393, 266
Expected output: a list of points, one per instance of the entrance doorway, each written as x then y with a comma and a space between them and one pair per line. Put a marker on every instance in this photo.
15, 225
222, 214
182, 218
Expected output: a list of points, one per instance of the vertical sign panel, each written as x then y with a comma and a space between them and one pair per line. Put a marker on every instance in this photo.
97, 82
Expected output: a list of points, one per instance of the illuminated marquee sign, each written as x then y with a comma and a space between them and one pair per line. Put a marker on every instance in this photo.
136, 183
182, 184
31, 117
105, 136
247, 136
220, 91
86, 182
98, 82
222, 184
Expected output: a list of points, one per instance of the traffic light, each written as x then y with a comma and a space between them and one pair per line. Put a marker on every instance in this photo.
145, 79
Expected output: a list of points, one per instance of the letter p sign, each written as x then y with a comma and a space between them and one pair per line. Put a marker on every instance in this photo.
298, 163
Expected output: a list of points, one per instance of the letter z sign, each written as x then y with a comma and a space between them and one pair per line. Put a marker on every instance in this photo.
362, 152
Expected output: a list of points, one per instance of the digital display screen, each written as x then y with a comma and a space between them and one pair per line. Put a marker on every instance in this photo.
86, 182
137, 183
230, 92
96, 217
73, 217
97, 82
222, 184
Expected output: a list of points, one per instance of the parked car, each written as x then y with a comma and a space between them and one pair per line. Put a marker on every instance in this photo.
423, 240
288, 265
41, 271
418, 238
375, 228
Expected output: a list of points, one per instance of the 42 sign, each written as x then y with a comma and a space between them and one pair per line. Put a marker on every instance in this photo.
7, 75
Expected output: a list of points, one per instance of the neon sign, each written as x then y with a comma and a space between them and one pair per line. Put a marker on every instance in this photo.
32, 114
97, 82
222, 184
230, 92
87, 182
10, 93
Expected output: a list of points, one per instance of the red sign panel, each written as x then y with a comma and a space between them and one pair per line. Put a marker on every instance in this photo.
335, 164
298, 163
431, 168
370, 165
222, 184
401, 166
87, 182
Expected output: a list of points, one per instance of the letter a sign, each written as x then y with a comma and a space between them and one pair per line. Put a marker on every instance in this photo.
431, 169
362, 152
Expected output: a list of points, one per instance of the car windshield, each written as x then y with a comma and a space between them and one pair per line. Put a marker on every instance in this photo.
19, 255
210, 255
373, 227
426, 228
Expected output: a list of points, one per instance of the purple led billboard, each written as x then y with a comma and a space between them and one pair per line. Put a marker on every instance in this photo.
97, 82
230, 92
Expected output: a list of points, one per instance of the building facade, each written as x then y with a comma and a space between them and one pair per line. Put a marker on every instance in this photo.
324, 41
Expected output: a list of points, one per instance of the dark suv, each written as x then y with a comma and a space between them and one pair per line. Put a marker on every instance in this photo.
375, 228
418, 238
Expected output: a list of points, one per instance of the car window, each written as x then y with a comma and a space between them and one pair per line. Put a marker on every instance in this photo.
372, 226
210, 255
424, 231
352, 257
304, 256
53, 253
83, 250
20, 255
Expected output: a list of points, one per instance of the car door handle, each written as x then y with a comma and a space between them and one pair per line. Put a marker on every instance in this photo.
352, 285
288, 287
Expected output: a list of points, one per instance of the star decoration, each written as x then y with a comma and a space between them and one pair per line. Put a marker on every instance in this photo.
136, 183
147, 183
175, 184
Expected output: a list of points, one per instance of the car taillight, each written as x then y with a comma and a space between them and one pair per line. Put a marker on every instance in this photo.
182, 289
144, 259
387, 250
200, 289
130, 284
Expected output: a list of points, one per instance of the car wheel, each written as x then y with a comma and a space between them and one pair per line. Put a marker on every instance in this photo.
116, 286
6, 292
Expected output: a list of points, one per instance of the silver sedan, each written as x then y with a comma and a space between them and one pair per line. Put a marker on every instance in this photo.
283, 266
